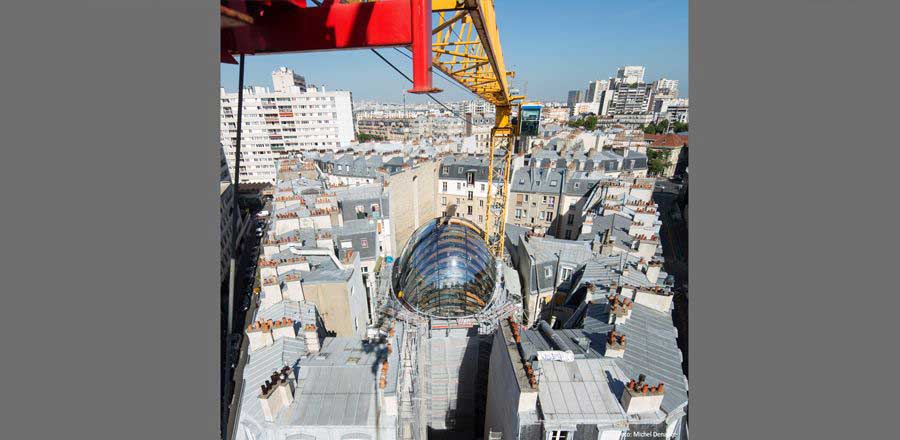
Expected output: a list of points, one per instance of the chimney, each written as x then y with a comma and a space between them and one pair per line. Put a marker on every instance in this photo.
619, 309
277, 393
641, 398
311, 337
259, 335
283, 328
653, 269
615, 345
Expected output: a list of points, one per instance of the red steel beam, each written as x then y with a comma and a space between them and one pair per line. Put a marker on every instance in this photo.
421, 47
288, 28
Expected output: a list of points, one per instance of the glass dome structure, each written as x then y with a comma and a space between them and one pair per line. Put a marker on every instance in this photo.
446, 269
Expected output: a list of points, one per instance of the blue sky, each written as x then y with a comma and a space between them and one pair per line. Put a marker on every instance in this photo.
553, 46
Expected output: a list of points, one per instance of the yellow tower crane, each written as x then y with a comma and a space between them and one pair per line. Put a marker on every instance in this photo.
466, 47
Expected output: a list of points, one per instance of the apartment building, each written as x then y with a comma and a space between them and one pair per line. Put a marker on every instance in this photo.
480, 128
391, 128
534, 197
463, 182
283, 79
475, 107
630, 97
595, 90
629, 75
291, 117
574, 97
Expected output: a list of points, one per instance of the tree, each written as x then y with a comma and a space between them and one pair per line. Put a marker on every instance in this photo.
658, 160
650, 129
662, 126
364, 137
590, 122
657, 166
678, 127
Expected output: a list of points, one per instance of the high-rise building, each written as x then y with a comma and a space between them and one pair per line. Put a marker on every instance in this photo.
283, 79
575, 96
289, 118
630, 74
595, 90
631, 98
667, 86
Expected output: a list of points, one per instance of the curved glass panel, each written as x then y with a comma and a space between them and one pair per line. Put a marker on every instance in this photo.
446, 270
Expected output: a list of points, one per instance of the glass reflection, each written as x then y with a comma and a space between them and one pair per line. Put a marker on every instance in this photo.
446, 269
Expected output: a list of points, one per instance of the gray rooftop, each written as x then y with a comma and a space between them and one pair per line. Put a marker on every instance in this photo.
537, 180
577, 392
652, 349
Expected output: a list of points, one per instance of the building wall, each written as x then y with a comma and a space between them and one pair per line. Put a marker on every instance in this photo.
531, 210
457, 193
413, 196
501, 409
570, 218
226, 217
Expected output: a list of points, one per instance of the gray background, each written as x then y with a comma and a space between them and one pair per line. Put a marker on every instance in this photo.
110, 266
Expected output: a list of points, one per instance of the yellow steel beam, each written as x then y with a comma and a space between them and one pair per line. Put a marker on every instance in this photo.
466, 47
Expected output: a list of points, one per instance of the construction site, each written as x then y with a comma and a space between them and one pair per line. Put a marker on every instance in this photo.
346, 344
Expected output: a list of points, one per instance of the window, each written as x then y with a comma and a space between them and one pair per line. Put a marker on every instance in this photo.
470, 177
548, 272
443, 200
364, 243
570, 220
471, 195
469, 209
482, 187
552, 200
553, 182
559, 435
444, 186
549, 216
346, 244
518, 213
481, 203
446, 170
568, 234
566, 274
459, 185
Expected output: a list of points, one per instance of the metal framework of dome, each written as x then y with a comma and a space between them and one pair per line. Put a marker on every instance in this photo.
446, 269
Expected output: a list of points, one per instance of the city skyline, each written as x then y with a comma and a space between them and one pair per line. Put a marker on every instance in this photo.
657, 38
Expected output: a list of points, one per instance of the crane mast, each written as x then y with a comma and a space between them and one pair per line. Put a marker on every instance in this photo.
467, 48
